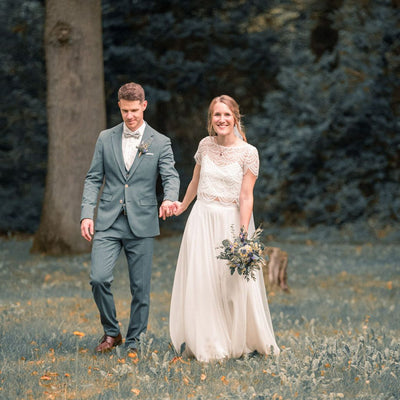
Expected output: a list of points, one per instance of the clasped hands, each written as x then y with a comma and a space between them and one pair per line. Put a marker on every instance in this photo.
169, 208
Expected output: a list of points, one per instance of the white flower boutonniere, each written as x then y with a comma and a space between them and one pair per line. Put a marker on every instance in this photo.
143, 148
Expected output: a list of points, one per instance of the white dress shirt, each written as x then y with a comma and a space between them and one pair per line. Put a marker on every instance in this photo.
129, 145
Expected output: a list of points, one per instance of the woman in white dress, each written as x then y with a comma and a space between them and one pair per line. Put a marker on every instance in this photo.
214, 314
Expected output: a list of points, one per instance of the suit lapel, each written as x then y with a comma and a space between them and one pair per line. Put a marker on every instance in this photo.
117, 147
146, 138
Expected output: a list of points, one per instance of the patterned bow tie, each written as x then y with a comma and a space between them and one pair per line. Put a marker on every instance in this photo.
129, 134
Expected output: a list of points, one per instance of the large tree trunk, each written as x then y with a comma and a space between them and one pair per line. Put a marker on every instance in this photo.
76, 115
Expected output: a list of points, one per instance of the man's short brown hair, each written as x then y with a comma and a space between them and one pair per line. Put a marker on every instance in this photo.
131, 91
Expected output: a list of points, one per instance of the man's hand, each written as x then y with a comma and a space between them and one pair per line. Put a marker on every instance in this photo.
87, 229
167, 209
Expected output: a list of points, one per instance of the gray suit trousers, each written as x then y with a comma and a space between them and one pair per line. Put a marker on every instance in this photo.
107, 246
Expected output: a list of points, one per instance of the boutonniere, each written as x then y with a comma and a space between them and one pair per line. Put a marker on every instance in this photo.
143, 148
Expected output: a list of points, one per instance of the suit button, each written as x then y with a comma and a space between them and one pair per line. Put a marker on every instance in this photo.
126, 185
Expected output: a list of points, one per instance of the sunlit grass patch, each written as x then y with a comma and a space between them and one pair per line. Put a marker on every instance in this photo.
338, 331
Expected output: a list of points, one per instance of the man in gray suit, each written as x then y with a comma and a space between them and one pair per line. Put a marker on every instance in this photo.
127, 160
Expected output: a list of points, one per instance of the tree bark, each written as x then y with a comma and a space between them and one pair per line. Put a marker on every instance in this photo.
275, 271
75, 115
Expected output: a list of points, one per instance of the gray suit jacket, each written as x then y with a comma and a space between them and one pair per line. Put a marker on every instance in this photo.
135, 188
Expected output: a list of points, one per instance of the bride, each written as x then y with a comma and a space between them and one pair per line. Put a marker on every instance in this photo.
214, 314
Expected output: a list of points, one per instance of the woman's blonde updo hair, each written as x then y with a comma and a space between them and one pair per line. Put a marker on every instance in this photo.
233, 106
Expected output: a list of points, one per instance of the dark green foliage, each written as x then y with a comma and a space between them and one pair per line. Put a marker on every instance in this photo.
329, 136
185, 53
323, 111
23, 140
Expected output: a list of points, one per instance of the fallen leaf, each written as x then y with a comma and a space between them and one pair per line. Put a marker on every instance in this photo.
134, 357
80, 334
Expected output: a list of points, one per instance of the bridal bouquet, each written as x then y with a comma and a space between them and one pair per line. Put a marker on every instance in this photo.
244, 254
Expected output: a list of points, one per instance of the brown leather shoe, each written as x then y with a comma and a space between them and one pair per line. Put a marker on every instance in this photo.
108, 342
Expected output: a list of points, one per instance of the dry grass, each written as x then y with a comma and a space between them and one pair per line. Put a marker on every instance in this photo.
339, 331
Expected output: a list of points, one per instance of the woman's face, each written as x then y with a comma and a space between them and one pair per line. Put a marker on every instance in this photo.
223, 120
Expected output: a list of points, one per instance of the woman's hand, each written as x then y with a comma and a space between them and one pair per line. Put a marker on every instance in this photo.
179, 209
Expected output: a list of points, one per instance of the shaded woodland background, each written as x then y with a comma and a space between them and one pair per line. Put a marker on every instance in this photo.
318, 82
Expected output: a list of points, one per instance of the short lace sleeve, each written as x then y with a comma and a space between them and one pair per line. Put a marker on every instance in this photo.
251, 161
200, 151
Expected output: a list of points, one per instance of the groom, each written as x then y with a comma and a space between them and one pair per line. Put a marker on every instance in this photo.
128, 158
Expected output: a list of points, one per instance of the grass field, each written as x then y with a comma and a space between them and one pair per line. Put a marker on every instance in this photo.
339, 331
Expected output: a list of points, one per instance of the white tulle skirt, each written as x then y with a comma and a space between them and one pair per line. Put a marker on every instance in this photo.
214, 314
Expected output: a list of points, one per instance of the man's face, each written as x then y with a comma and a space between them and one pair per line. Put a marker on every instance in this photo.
132, 112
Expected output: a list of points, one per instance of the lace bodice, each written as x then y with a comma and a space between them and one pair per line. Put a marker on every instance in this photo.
222, 169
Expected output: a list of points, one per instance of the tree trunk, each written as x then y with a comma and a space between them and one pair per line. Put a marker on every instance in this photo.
275, 272
75, 114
